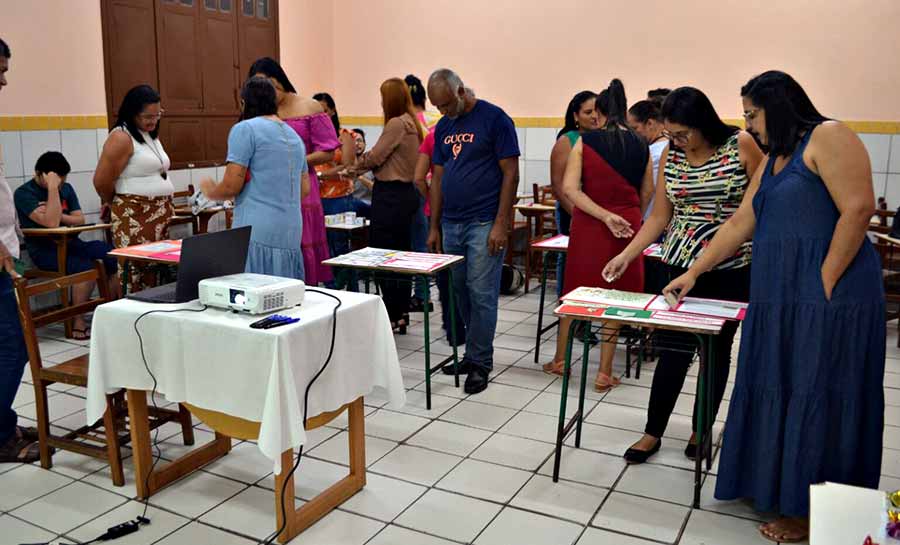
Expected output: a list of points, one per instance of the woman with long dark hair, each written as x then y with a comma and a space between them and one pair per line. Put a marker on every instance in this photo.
266, 176
808, 401
581, 116
330, 107
132, 178
314, 126
703, 176
395, 199
608, 180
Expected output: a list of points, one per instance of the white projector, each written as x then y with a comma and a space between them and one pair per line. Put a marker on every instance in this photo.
252, 293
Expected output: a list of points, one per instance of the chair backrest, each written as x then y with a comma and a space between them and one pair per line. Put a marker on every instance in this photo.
180, 197
31, 322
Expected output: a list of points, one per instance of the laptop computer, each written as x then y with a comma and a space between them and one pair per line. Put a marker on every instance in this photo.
202, 256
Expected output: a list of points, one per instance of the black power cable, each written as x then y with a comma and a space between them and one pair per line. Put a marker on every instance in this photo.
278, 532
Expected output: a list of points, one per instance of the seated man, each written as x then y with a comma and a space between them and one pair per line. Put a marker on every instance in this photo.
48, 201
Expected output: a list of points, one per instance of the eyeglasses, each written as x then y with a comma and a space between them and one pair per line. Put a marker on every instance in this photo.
152, 117
750, 115
680, 136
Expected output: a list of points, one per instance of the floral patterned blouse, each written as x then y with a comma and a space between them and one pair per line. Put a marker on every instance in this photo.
703, 198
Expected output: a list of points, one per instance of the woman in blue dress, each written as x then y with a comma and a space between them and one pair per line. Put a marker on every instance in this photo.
808, 404
267, 175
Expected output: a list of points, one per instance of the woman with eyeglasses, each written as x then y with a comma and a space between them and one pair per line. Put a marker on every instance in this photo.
132, 178
808, 401
703, 176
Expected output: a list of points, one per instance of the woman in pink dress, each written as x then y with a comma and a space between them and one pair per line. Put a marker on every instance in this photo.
314, 127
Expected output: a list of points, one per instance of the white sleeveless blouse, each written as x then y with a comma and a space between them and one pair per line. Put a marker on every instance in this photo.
142, 175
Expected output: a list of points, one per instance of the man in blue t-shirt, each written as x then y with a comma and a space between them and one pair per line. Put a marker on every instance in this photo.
47, 201
476, 171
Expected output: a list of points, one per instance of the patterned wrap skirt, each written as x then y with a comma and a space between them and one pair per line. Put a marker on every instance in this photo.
139, 220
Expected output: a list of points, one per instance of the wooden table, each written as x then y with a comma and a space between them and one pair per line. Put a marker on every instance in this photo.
531, 212
706, 337
150, 480
61, 236
202, 218
121, 359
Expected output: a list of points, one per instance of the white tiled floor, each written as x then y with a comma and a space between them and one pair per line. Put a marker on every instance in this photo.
474, 469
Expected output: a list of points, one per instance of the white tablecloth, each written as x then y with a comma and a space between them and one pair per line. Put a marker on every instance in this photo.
215, 361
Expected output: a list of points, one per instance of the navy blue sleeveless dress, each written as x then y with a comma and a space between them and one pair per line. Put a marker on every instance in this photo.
808, 404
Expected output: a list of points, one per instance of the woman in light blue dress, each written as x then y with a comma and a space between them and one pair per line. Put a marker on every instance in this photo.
267, 176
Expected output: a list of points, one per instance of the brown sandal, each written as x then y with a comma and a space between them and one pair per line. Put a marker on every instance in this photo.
81, 334
555, 367
19, 450
30, 434
604, 383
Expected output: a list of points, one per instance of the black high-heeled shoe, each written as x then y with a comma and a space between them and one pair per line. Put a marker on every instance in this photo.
634, 456
399, 327
691, 451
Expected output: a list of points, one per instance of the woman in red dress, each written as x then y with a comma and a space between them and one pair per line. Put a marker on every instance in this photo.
609, 178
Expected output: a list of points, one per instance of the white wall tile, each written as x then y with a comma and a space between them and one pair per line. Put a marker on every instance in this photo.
521, 188
80, 149
892, 191
198, 174
539, 143
102, 134
879, 183
83, 183
879, 146
521, 137
11, 143
536, 172
181, 179
894, 165
373, 133
35, 143
15, 182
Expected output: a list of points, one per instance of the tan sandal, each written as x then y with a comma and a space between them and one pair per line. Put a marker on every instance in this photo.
604, 383
555, 367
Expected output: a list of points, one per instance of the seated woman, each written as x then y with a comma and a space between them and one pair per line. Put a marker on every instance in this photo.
266, 175
47, 201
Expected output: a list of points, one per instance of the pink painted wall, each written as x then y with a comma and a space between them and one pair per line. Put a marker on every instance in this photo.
529, 56
57, 57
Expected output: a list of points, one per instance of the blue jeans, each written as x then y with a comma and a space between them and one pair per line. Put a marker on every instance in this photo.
477, 285
13, 357
339, 243
420, 226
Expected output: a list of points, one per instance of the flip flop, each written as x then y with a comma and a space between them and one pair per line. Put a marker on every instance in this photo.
30, 434
81, 334
19, 450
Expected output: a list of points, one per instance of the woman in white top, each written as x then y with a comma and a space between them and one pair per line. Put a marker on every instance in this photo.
131, 177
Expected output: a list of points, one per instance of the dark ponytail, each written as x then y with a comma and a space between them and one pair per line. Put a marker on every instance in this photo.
616, 104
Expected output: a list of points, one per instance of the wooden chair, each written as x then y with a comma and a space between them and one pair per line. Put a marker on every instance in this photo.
86, 440
543, 194
517, 230
180, 199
